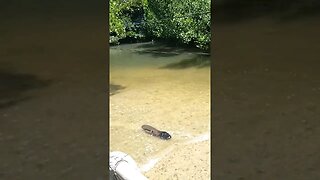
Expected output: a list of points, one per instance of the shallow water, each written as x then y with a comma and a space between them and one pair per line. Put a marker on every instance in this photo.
162, 86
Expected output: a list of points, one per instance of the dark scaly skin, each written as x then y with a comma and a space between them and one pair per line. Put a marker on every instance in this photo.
151, 130
155, 132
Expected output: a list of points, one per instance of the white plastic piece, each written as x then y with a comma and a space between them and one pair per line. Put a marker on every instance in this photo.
124, 166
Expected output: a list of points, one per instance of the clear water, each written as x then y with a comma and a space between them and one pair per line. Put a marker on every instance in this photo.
165, 87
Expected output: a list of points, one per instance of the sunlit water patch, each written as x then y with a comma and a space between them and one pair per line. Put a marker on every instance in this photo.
164, 87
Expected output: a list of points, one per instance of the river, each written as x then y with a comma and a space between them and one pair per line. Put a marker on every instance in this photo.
168, 88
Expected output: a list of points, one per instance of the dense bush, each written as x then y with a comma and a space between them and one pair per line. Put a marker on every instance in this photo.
185, 21
120, 21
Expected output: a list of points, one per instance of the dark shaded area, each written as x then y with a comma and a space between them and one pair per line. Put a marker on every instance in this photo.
197, 62
160, 49
60, 131
234, 11
13, 86
115, 88
265, 91
51, 9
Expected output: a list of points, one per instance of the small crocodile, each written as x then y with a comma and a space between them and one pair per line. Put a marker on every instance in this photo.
155, 132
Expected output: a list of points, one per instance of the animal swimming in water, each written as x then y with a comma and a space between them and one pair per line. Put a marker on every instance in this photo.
155, 132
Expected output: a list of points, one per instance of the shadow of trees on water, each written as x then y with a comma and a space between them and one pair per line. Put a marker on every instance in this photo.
199, 61
115, 89
158, 49
14, 85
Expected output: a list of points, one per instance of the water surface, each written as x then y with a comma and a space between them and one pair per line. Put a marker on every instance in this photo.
166, 87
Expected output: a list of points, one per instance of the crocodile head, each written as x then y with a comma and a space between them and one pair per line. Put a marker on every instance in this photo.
165, 135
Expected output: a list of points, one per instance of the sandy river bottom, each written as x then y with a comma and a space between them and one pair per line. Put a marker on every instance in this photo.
172, 100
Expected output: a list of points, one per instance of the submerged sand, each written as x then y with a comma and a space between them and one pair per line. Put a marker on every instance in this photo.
173, 100
185, 161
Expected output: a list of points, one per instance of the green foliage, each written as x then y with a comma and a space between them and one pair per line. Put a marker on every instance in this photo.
185, 21
119, 17
116, 23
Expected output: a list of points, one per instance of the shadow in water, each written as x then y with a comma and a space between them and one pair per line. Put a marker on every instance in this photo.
199, 61
14, 85
114, 89
165, 50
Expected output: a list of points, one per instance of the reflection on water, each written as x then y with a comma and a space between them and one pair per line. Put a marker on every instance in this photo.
170, 92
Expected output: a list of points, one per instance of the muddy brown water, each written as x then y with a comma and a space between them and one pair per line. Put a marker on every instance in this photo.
165, 87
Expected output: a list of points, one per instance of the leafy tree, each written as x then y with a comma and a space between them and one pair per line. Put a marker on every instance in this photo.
120, 17
185, 21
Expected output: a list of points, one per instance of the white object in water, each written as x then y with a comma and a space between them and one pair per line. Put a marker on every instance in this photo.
124, 167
